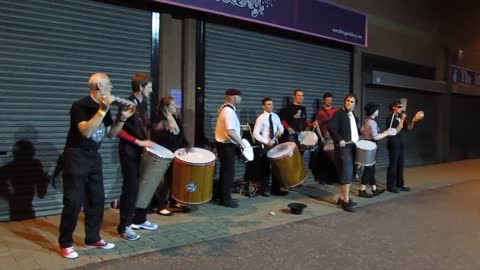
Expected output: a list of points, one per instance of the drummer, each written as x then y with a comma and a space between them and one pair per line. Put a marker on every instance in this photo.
325, 170
227, 138
397, 119
370, 132
343, 128
267, 131
133, 138
168, 132
294, 117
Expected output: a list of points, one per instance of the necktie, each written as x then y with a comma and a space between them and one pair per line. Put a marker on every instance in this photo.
270, 123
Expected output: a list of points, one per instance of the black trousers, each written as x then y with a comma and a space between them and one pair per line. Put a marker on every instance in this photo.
368, 176
82, 185
396, 162
226, 155
345, 163
130, 159
265, 172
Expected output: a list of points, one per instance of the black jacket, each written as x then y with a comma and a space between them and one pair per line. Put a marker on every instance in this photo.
339, 126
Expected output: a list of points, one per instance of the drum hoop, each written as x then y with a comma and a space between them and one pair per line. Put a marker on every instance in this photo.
145, 150
195, 164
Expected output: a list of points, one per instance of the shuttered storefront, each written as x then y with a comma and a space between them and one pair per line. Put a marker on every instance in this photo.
47, 51
420, 142
464, 143
260, 64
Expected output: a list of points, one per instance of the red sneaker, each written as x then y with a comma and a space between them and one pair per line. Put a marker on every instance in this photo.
69, 253
101, 244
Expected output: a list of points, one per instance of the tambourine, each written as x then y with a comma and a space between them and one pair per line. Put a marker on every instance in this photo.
419, 116
123, 102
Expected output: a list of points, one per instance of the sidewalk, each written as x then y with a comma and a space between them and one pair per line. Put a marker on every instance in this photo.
32, 244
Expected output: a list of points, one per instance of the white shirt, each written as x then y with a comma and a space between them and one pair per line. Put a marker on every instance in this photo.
227, 119
261, 131
353, 128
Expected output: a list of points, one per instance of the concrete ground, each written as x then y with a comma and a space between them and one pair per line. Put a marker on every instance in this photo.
32, 244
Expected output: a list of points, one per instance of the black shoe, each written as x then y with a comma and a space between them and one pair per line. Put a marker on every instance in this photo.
364, 194
348, 206
405, 188
393, 190
280, 193
230, 204
264, 194
340, 202
377, 192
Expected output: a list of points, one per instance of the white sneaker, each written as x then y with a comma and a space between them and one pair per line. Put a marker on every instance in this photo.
101, 244
69, 253
147, 225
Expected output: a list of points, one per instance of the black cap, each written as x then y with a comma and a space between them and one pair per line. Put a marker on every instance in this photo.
232, 92
370, 108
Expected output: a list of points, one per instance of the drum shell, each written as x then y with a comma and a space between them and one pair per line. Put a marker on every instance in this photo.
365, 157
289, 168
152, 170
187, 176
308, 141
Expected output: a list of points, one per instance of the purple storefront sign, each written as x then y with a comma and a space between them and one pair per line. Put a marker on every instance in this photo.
313, 17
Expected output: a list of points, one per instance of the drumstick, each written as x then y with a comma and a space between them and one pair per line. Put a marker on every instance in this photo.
391, 122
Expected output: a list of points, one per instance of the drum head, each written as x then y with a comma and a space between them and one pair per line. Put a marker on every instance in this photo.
307, 138
194, 155
366, 145
248, 151
281, 150
160, 151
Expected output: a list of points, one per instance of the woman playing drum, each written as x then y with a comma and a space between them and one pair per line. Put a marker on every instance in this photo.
370, 132
167, 132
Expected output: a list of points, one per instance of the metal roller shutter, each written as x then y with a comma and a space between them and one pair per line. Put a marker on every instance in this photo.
47, 51
261, 64
419, 142
464, 142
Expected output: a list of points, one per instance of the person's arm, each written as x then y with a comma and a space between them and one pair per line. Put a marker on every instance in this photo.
119, 121
256, 130
333, 126
230, 123
87, 128
373, 127
130, 138
280, 128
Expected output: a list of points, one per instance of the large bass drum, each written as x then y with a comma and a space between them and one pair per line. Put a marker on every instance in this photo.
154, 164
287, 164
192, 175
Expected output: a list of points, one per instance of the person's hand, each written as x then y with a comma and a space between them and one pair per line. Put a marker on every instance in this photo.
270, 143
105, 102
386, 133
403, 116
145, 143
342, 143
291, 131
127, 112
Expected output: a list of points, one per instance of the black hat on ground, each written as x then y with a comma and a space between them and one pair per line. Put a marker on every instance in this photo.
370, 108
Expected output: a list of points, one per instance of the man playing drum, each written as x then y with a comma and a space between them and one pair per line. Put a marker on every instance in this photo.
294, 116
370, 132
396, 149
133, 137
267, 130
227, 138
343, 128
90, 119
325, 169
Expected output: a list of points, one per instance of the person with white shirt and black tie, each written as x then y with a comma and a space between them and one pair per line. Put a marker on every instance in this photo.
343, 128
268, 128
227, 138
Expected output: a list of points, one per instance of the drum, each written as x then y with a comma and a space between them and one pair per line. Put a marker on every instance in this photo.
365, 154
246, 154
328, 146
287, 164
308, 140
154, 164
192, 175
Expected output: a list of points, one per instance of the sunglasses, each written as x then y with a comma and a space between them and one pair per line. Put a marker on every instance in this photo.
400, 106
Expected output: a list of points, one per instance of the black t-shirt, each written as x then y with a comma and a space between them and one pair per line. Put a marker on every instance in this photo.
295, 116
136, 124
83, 110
